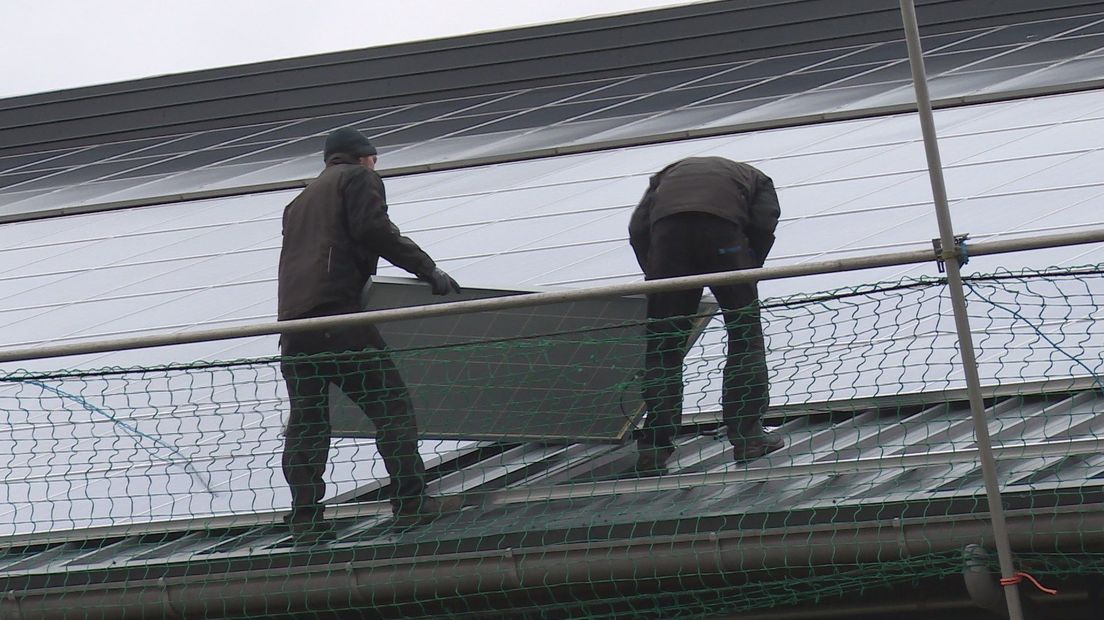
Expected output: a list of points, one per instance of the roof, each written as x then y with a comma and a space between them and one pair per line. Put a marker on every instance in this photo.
116, 225
912, 467
650, 104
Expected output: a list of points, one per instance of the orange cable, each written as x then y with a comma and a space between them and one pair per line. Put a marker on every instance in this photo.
1019, 576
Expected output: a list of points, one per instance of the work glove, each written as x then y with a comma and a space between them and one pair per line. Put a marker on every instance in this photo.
441, 283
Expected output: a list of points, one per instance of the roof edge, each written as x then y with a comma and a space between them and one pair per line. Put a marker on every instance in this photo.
574, 568
609, 46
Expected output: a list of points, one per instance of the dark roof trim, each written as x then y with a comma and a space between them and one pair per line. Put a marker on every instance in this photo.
447, 575
618, 45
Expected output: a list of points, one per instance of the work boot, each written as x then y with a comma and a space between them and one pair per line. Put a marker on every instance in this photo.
652, 461
426, 509
755, 447
310, 529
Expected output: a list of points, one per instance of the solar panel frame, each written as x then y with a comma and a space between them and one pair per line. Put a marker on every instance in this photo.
576, 399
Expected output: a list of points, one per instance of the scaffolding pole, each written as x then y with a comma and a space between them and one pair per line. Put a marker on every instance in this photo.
44, 350
950, 254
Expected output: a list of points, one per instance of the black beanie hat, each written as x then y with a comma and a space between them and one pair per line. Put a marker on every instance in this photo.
348, 141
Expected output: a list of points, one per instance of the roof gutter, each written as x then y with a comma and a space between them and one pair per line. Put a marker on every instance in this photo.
573, 573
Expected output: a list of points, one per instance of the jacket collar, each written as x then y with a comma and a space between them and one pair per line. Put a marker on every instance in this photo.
341, 158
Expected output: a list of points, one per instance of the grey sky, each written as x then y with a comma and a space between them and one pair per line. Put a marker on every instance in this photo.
57, 44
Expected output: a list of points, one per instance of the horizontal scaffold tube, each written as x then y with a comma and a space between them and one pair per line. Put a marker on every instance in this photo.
545, 298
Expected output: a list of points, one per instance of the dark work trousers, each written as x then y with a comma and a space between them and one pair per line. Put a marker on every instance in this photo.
365, 372
694, 243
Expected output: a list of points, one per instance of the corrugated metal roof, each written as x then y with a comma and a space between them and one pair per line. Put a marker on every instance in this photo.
513, 488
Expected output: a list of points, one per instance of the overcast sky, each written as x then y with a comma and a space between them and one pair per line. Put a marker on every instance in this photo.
54, 44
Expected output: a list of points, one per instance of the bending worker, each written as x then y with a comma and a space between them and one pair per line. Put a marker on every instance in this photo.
334, 234
703, 215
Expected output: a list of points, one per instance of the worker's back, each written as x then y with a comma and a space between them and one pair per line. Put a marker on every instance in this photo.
714, 185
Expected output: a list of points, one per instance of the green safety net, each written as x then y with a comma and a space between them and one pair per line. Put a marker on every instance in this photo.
160, 490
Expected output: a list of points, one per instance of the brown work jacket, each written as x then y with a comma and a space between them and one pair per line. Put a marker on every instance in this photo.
334, 233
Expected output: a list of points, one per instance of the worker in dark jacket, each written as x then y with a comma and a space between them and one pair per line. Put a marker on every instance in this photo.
335, 232
702, 215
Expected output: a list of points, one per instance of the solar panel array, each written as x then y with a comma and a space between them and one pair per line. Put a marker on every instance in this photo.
975, 63
509, 394
848, 188
858, 187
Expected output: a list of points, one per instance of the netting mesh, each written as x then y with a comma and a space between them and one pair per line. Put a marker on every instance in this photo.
161, 490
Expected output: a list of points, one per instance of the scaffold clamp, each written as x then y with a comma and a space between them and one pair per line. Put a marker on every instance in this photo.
960, 252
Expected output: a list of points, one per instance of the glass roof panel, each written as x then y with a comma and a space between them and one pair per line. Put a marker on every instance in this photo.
95, 192
10, 163
16, 178
99, 153
873, 55
987, 60
1072, 71
541, 96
